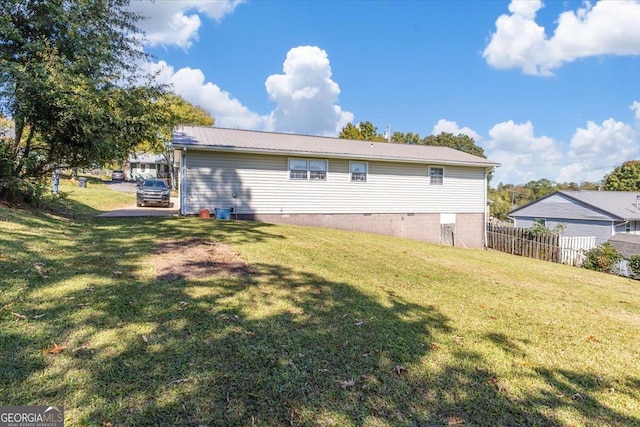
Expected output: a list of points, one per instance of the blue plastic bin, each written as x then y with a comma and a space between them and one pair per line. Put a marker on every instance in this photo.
223, 213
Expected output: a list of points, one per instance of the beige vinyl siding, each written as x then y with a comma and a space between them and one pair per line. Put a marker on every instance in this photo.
262, 186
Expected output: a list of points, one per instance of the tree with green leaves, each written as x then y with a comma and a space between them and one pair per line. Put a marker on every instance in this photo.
459, 142
625, 177
71, 81
364, 131
405, 138
174, 111
540, 188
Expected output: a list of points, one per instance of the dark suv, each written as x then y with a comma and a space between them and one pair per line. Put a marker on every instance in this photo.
153, 192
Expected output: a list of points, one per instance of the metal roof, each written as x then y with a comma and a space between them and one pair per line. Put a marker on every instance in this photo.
246, 141
624, 205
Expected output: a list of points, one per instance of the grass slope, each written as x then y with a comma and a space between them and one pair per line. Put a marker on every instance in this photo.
332, 328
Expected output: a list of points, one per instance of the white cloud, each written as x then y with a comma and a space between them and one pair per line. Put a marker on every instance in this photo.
636, 108
606, 28
524, 156
227, 111
448, 126
597, 149
593, 152
306, 95
173, 22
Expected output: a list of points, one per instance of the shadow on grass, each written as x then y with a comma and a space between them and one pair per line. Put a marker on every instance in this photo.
282, 347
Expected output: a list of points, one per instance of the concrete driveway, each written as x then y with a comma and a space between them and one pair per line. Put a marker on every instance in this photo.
134, 211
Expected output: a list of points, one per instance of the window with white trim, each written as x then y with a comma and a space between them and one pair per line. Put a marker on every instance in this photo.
303, 170
436, 175
358, 171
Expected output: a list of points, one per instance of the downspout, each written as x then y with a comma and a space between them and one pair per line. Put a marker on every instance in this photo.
183, 185
484, 225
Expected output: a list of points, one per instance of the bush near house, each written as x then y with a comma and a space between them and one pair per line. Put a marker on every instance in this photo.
602, 258
634, 265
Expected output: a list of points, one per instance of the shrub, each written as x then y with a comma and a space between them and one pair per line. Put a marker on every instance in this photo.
634, 265
15, 188
602, 258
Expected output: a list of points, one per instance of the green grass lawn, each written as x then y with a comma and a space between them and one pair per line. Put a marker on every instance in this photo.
323, 328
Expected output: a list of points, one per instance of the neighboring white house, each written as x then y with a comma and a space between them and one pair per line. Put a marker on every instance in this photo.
584, 213
145, 165
429, 193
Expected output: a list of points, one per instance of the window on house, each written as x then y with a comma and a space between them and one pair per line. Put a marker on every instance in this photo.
300, 169
318, 169
358, 171
627, 227
297, 169
143, 167
436, 176
540, 222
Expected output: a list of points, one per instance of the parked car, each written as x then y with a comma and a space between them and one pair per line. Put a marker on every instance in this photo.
118, 175
153, 192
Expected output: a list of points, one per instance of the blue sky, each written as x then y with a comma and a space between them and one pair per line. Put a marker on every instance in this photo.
549, 89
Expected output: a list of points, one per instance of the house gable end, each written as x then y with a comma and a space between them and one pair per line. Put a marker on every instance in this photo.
561, 206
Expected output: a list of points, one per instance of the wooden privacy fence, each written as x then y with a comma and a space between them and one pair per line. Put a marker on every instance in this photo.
546, 247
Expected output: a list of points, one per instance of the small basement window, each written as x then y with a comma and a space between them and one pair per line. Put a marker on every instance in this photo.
436, 176
358, 171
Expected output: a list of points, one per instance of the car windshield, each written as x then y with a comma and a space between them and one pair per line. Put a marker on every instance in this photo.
160, 184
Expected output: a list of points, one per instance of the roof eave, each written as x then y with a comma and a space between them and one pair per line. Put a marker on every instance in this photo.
335, 155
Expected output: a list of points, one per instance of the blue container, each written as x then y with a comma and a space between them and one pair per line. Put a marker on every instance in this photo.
223, 213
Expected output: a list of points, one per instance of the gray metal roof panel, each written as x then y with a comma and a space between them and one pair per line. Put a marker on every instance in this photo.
210, 138
623, 204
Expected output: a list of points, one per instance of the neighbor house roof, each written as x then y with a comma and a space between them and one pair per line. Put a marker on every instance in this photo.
211, 138
627, 244
620, 205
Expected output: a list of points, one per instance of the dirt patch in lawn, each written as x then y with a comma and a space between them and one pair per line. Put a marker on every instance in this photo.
195, 259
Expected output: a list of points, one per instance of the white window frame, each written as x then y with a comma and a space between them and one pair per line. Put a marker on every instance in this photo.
432, 176
310, 172
354, 174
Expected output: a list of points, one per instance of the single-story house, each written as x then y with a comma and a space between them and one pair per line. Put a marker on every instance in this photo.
429, 193
584, 213
146, 165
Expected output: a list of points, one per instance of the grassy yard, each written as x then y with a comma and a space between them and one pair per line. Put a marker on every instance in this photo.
191, 322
